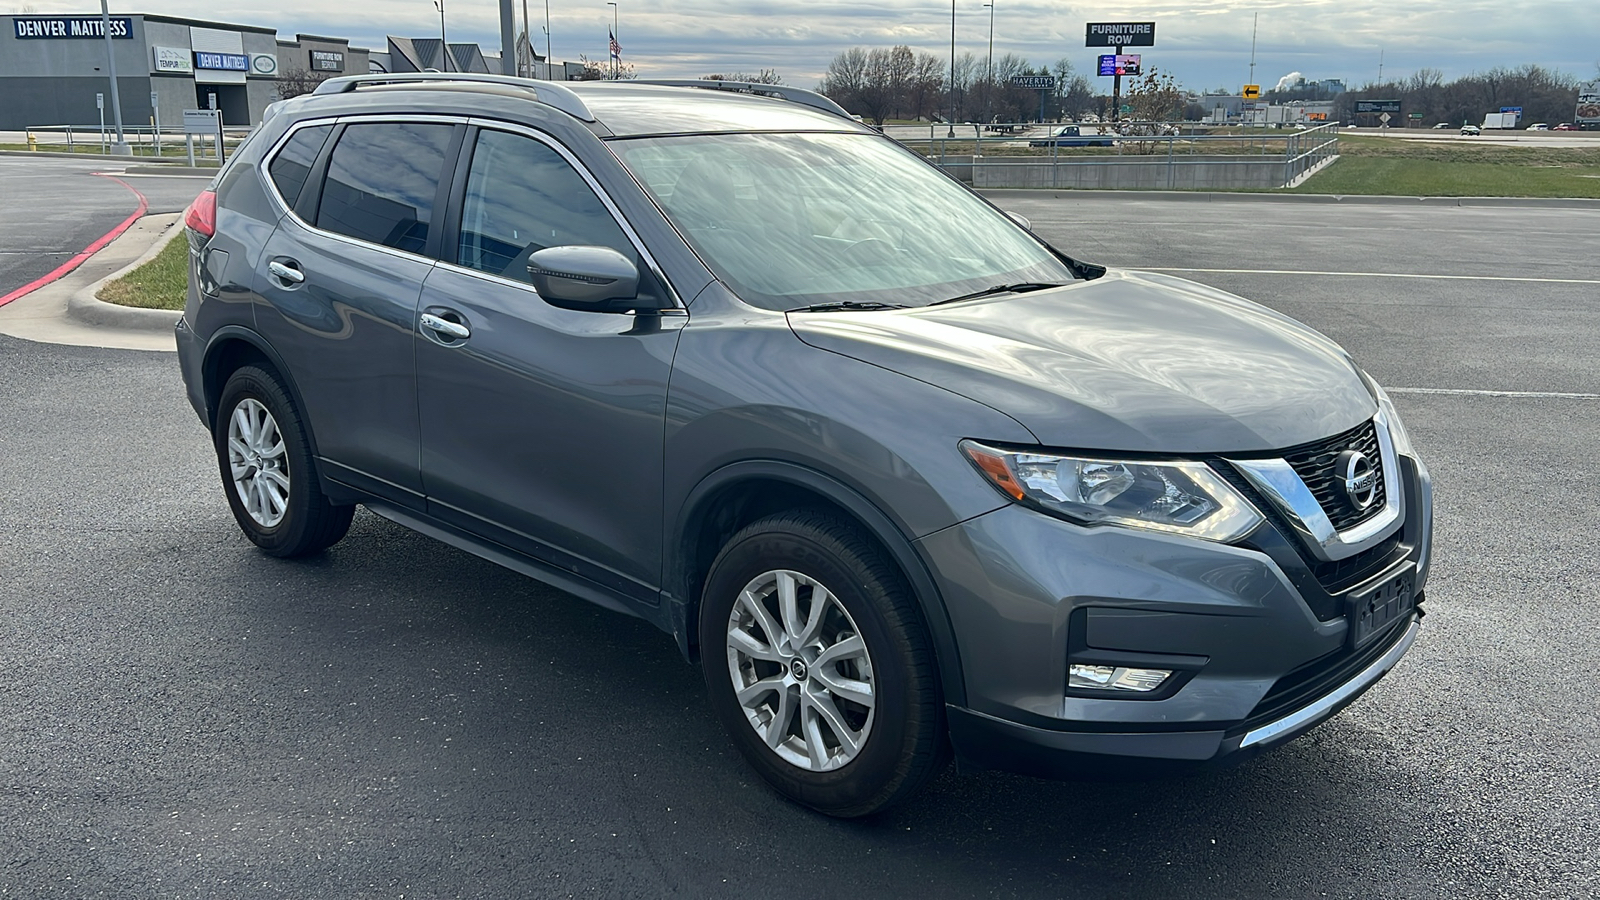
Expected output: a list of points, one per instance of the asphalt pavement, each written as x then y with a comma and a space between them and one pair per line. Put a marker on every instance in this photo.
182, 716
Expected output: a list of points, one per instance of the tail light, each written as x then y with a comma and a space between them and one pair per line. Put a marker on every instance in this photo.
202, 214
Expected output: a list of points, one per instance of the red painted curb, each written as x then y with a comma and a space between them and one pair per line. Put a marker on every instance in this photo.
86, 252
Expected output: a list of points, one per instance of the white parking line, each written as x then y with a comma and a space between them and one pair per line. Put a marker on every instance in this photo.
1376, 275
1521, 395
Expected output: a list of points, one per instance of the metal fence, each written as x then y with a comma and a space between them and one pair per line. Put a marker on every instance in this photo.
1150, 156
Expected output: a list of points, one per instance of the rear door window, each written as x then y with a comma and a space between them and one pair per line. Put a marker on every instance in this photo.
292, 165
382, 180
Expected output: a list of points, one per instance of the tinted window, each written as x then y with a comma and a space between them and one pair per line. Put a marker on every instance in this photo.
522, 197
293, 163
381, 183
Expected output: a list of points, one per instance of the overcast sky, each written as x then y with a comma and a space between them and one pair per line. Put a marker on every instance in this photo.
1204, 43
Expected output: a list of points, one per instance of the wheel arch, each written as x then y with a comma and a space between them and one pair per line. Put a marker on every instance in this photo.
232, 347
738, 494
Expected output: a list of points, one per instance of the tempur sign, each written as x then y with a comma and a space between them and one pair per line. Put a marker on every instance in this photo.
173, 59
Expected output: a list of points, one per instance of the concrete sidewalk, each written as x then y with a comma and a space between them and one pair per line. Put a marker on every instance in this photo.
67, 312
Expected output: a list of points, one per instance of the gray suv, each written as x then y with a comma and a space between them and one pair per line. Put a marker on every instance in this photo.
907, 482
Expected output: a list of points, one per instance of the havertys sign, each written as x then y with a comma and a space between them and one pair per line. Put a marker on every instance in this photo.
1121, 34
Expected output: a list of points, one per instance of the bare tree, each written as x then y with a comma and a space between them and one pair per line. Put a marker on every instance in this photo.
765, 76
296, 81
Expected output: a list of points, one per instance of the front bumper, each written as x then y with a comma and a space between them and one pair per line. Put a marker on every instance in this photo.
992, 742
1259, 631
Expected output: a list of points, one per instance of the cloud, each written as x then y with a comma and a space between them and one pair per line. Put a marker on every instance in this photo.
1203, 43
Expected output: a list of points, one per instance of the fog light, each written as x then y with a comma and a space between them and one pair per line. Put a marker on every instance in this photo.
1117, 678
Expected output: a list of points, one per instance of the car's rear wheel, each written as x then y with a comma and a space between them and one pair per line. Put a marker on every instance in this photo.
819, 666
268, 472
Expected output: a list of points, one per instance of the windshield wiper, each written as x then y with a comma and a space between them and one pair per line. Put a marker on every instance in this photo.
847, 306
1020, 287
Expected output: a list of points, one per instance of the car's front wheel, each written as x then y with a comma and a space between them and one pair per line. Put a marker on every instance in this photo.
265, 458
819, 665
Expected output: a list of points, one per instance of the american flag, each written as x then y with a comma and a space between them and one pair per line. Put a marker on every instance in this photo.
616, 48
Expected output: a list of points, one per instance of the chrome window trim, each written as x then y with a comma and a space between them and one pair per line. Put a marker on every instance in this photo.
1284, 488
286, 211
1363, 680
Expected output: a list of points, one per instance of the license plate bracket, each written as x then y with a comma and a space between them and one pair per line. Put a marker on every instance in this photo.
1375, 610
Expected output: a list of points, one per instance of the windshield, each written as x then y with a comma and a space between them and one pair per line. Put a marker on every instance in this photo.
794, 220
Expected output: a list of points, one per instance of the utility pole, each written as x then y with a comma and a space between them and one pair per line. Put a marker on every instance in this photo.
120, 148
508, 38
1380, 65
547, 57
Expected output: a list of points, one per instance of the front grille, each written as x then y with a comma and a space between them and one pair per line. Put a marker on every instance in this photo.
1316, 464
1340, 574
1310, 682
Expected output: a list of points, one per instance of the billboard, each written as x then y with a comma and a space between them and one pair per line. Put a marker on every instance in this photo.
1588, 113
1119, 64
1120, 34
1035, 82
1377, 106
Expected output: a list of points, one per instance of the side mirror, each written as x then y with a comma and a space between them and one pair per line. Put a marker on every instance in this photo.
591, 279
1020, 219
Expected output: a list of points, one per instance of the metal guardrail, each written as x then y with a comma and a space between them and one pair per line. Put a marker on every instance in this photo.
143, 140
1148, 156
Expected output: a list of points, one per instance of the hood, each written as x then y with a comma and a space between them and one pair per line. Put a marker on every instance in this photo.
1131, 361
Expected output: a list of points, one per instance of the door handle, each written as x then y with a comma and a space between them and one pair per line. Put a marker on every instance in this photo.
445, 328
286, 272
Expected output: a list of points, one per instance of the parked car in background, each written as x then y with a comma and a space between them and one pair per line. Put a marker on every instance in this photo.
1565, 126
905, 481
1539, 126
1442, 125
1471, 129
1072, 136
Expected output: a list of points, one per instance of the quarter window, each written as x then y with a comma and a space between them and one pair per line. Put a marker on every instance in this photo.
293, 163
522, 196
382, 180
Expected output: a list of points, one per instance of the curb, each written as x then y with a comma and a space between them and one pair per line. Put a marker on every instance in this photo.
172, 169
83, 306
1351, 199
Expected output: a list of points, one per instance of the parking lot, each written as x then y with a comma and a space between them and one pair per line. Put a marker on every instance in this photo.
182, 716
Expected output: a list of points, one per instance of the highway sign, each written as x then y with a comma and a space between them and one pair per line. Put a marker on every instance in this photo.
1251, 92
1377, 106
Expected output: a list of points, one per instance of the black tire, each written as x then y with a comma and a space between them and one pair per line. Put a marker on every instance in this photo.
308, 522
904, 743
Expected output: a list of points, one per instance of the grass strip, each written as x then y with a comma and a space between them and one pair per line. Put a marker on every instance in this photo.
161, 283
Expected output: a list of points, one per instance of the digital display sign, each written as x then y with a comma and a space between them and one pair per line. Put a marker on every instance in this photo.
1119, 64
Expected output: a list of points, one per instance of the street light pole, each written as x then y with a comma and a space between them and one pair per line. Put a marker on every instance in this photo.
988, 69
120, 148
444, 44
547, 57
616, 58
952, 69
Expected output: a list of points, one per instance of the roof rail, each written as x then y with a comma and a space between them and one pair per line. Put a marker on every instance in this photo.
792, 94
549, 93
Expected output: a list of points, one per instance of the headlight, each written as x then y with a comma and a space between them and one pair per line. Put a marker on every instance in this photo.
1178, 496
1397, 429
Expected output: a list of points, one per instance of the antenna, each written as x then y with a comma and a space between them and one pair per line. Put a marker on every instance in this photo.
1380, 65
